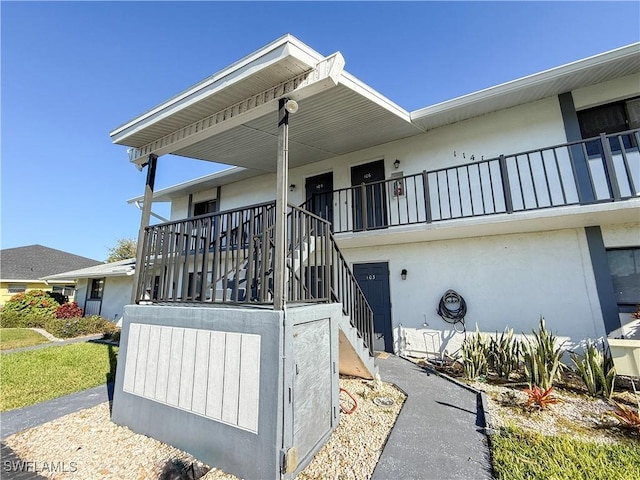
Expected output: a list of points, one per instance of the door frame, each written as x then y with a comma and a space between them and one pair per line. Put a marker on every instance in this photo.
388, 335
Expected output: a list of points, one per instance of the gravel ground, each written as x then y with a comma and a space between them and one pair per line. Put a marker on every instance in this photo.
90, 446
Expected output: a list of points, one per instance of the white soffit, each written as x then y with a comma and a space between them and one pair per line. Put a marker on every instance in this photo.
231, 118
592, 70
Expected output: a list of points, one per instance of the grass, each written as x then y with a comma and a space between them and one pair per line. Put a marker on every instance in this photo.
19, 337
522, 455
37, 375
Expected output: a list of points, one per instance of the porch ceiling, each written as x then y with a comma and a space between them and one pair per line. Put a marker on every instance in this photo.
231, 118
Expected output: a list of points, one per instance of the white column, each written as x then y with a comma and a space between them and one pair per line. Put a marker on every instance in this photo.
281, 207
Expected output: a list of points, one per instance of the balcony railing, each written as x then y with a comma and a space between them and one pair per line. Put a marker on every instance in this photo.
228, 257
600, 169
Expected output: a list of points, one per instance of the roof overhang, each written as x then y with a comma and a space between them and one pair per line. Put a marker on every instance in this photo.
231, 117
600, 68
121, 268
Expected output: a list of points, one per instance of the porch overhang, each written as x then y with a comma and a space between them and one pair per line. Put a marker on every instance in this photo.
231, 117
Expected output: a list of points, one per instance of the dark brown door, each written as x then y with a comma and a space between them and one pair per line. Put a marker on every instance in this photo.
319, 195
370, 200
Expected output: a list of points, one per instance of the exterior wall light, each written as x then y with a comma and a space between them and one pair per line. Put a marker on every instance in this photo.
291, 106
403, 274
396, 164
292, 187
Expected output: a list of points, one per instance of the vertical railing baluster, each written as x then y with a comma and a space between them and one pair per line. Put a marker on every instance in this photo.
609, 168
506, 187
427, 196
627, 168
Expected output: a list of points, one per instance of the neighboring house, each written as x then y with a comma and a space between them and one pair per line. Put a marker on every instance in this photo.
23, 268
523, 198
102, 289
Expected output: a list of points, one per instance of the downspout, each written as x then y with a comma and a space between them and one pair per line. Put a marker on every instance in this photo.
144, 221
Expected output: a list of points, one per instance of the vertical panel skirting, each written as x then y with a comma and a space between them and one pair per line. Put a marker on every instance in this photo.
209, 373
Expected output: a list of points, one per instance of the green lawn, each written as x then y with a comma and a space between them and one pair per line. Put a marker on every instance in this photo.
519, 455
37, 375
19, 337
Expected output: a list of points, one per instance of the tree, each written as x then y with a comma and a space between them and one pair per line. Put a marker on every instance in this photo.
125, 248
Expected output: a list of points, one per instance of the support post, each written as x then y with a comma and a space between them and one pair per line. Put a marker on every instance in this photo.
282, 170
144, 222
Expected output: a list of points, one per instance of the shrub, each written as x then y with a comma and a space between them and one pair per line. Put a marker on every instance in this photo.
542, 363
75, 327
34, 302
504, 354
58, 297
474, 356
596, 370
627, 416
11, 319
69, 310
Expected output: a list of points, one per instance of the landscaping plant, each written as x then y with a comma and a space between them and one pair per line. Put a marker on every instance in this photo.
541, 398
596, 370
75, 327
627, 416
34, 303
69, 310
504, 354
542, 358
474, 356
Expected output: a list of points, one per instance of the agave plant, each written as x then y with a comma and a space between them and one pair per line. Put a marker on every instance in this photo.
504, 353
542, 358
596, 370
474, 356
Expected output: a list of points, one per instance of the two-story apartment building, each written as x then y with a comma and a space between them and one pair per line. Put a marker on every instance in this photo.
522, 199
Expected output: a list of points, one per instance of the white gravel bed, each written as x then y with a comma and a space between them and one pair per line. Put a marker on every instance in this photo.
89, 446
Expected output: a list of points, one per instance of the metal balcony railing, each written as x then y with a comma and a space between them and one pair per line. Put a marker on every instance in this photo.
228, 257
600, 169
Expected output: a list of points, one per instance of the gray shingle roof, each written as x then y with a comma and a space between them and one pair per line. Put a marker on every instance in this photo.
35, 261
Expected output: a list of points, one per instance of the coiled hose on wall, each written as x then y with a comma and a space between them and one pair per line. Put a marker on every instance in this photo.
453, 309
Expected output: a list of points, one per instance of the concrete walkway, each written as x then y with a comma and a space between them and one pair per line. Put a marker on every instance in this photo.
439, 433
55, 342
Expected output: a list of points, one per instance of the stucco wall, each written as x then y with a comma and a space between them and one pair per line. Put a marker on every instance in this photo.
116, 294
506, 280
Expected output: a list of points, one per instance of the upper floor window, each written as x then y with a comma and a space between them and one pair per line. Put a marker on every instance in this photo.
610, 118
624, 265
202, 208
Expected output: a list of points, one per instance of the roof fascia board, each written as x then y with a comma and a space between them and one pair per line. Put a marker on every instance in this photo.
273, 52
325, 74
366, 91
528, 81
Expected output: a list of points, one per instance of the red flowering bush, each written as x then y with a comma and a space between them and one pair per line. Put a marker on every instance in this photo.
69, 310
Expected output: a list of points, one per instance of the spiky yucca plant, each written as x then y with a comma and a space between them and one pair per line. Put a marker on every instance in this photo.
596, 370
474, 356
542, 358
504, 353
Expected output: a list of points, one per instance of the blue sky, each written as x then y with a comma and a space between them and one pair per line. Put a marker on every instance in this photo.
72, 72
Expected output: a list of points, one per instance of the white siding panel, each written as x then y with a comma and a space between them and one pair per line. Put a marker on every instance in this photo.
216, 375
152, 362
249, 382
141, 367
162, 380
209, 373
132, 358
175, 363
201, 372
231, 385
187, 368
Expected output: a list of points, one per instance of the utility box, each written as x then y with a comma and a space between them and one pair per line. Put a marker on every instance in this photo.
251, 391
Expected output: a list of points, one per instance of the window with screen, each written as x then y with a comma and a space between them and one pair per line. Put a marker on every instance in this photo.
624, 266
